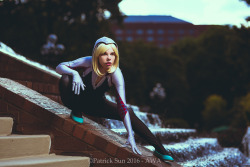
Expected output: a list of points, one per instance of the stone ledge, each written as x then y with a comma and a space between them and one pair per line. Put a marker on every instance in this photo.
17, 68
22, 103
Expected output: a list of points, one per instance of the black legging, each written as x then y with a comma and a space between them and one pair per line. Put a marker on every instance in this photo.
102, 108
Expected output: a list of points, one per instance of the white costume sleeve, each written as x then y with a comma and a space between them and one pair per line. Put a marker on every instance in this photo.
70, 67
66, 67
118, 81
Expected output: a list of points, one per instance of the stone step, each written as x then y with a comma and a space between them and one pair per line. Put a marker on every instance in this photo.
24, 145
192, 148
46, 160
166, 135
172, 134
225, 158
247, 163
6, 124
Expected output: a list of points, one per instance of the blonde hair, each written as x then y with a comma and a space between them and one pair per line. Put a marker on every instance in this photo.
99, 50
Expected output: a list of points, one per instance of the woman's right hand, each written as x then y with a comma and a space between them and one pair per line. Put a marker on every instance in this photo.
131, 141
77, 83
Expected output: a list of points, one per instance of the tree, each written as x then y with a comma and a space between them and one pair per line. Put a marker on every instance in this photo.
241, 110
215, 112
25, 25
215, 63
145, 65
248, 2
238, 121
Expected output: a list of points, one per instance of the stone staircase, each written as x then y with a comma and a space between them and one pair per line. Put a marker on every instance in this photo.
31, 150
29, 94
34, 113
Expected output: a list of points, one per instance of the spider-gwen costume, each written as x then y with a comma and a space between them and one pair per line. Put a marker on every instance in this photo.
93, 96
91, 101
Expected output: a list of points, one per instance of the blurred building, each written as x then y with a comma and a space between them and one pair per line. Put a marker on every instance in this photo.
161, 30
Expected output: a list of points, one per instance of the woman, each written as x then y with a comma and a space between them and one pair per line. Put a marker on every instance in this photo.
86, 93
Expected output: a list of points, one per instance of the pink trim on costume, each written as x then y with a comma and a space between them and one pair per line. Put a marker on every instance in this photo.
122, 108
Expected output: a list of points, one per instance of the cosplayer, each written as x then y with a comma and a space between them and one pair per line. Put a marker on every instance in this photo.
85, 93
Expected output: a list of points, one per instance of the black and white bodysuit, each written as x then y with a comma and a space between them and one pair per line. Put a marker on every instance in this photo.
94, 94
92, 100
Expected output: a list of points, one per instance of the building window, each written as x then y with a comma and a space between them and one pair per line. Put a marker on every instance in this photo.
150, 39
118, 31
181, 31
170, 39
160, 45
149, 31
139, 38
139, 32
129, 39
170, 31
129, 31
119, 38
160, 38
160, 31
191, 32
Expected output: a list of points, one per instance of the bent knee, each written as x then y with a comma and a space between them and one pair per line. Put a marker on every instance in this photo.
65, 80
131, 111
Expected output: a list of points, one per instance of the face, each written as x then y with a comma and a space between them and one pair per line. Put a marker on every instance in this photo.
107, 59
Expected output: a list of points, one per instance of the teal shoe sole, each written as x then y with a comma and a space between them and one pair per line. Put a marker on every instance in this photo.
76, 119
163, 157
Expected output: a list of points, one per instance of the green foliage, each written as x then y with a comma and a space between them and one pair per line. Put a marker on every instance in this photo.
238, 122
245, 104
231, 137
215, 113
176, 123
241, 112
26, 26
143, 66
217, 62
247, 1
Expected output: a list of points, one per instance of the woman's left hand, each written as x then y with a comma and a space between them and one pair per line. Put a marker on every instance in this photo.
131, 141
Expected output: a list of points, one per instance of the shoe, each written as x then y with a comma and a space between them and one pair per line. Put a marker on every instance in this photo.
163, 157
77, 119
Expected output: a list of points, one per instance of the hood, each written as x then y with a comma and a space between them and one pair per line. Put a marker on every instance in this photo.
105, 40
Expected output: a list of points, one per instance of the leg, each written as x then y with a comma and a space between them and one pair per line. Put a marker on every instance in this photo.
68, 97
142, 130
103, 109
109, 110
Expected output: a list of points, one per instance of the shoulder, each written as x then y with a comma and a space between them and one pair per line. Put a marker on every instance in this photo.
86, 59
83, 61
117, 72
89, 60
117, 77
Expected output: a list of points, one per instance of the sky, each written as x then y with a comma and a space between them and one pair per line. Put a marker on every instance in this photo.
198, 12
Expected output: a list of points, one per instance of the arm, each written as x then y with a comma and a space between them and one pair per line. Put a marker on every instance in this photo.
70, 67
118, 81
